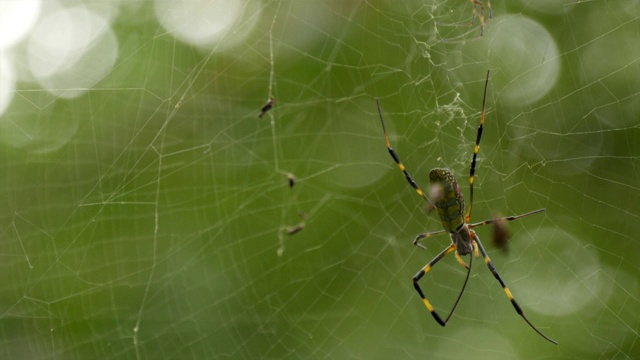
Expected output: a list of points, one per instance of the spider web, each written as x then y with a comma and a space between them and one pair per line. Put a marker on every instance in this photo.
147, 211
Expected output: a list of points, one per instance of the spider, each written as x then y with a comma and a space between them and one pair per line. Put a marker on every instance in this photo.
476, 4
449, 202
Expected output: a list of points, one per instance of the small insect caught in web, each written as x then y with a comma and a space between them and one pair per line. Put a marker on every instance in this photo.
299, 227
267, 106
501, 234
295, 229
291, 179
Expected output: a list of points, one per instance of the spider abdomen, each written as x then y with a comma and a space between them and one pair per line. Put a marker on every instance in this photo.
448, 199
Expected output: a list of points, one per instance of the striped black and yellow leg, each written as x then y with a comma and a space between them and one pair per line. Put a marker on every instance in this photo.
421, 273
476, 149
426, 269
461, 262
493, 270
397, 159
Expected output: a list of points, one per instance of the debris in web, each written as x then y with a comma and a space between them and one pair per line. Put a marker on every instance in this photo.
267, 106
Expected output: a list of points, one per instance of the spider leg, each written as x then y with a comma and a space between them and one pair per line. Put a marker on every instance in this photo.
476, 149
416, 242
464, 286
475, 11
397, 159
507, 218
493, 270
426, 269
480, 4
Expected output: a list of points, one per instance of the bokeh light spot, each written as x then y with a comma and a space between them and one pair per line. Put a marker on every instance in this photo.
70, 51
526, 60
204, 23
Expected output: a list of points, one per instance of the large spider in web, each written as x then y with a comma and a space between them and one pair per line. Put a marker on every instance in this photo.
447, 199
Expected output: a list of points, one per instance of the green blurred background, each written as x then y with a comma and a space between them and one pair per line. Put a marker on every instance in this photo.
148, 217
